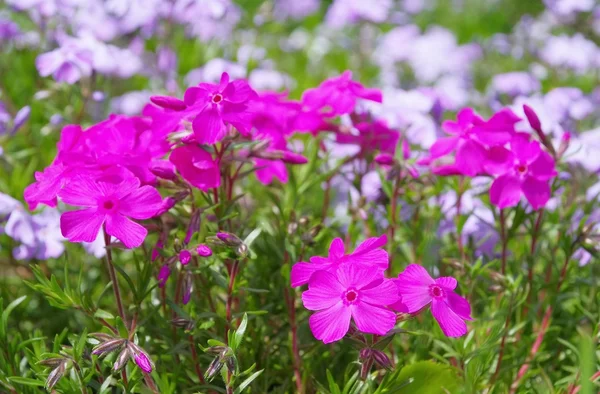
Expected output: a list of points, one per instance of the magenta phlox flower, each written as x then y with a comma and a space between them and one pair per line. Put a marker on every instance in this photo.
367, 255
525, 169
196, 166
351, 292
214, 107
418, 289
375, 135
469, 137
338, 95
110, 204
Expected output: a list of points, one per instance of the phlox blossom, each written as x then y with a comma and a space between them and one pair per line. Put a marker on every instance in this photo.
338, 95
525, 169
108, 204
196, 166
350, 292
418, 289
367, 255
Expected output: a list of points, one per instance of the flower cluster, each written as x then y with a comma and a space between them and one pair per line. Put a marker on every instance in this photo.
476, 147
344, 287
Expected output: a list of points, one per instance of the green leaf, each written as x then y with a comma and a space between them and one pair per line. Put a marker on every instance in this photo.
247, 382
239, 333
102, 314
6, 313
333, 386
127, 279
425, 377
252, 236
26, 381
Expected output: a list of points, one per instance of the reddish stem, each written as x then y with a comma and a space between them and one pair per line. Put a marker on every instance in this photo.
503, 239
195, 359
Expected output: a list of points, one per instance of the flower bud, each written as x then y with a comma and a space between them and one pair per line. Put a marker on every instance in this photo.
55, 375
365, 353
184, 257
193, 227
293, 158
231, 364
242, 250
229, 239
122, 359
188, 287
102, 337
564, 144
183, 323
163, 169
163, 275
20, 118
533, 119
382, 359
51, 362
213, 369
108, 346
155, 250
384, 159
204, 250
167, 102
217, 350
140, 357
167, 204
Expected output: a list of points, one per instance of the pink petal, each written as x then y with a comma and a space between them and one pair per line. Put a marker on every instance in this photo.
371, 244
466, 117
239, 91
451, 127
459, 305
525, 150
353, 275
143, 203
237, 115
81, 226
195, 95
443, 146
224, 81
544, 167
269, 170
413, 286
450, 323
302, 272
370, 94
537, 192
447, 282
336, 249
120, 189
331, 324
498, 160
505, 191
208, 126
373, 319
81, 191
168, 102
324, 291
384, 294
470, 157
130, 233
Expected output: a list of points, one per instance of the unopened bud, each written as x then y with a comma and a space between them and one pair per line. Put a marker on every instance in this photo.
55, 375
108, 346
167, 204
140, 357
242, 250
382, 359
365, 353
231, 364
213, 369
495, 288
293, 158
51, 362
564, 144
384, 159
188, 287
229, 239
122, 359
217, 350
163, 169
102, 337
184, 257
167, 102
533, 119
163, 275
193, 227
204, 250
183, 323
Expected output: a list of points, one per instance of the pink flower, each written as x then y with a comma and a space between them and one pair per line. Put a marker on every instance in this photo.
352, 291
373, 135
525, 169
163, 275
196, 166
338, 95
213, 108
111, 204
184, 257
368, 255
418, 290
469, 137
204, 250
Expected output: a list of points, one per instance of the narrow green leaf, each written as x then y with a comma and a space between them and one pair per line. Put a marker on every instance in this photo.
239, 333
247, 382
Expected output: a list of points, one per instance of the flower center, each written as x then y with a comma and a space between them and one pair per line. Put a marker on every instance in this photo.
521, 169
436, 291
217, 98
108, 205
350, 296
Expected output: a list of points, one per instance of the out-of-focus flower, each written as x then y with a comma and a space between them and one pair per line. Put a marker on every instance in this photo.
418, 289
576, 53
294, 9
368, 255
515, 83
350, 292
343, 12
68, 63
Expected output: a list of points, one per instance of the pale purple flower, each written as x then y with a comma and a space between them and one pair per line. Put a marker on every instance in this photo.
515, 83
294, 9
68, 63
573, 52
39, 235
344, 12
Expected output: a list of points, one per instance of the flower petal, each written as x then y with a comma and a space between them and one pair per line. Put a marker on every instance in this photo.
302, 272
459, 305
373, 319
450, 323
81, 191
143, 203
384, 294
447, 282
413, 285
443, 146
336, 249
82, 225
353, 275
130, 233
331, 324
537, 192
505, 191
324, 291
208, 126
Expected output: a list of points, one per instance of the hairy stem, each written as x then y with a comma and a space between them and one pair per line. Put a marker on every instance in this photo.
113, 277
